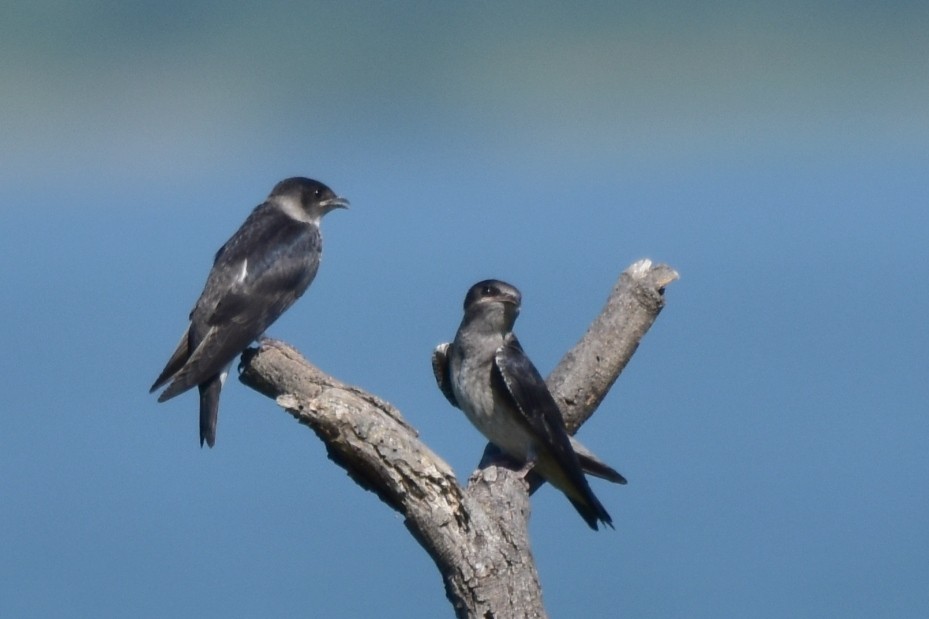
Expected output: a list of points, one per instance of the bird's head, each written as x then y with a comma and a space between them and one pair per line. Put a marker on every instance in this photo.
305, 199
495, 303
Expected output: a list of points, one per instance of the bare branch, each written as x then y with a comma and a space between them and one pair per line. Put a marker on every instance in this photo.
364, 434
478, 535
585, 374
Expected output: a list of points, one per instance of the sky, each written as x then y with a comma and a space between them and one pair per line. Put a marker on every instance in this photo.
773, 424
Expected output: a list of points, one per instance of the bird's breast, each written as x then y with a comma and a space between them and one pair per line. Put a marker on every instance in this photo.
489, 411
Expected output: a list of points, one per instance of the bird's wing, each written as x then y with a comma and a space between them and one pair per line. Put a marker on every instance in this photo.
531, 398
176, 362
259, 272
256, 276
592, 465
440, 370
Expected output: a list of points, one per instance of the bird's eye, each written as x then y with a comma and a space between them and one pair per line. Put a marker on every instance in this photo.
318, 193
487, 291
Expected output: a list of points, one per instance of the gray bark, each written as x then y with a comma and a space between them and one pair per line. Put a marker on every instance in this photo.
477, 534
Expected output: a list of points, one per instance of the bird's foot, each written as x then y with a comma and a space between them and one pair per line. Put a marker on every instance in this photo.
526, 468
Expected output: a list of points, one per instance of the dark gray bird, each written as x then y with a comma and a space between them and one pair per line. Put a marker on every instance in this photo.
486, 374
259, 273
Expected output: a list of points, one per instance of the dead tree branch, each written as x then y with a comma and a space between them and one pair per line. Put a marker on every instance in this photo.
477, 535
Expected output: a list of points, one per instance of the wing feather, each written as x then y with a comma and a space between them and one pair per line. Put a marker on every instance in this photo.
532, 399
440, 368
283, 257
537, 408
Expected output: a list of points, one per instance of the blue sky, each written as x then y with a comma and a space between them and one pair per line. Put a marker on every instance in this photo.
773, 425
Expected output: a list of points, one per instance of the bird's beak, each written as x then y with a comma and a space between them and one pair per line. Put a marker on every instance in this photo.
512, 299
511, 304
336, 202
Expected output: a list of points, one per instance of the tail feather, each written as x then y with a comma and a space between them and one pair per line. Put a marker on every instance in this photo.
592, 515
209, 408
592, 512
574, 485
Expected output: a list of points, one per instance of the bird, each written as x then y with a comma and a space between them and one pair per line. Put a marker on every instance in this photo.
266, 265
486, 374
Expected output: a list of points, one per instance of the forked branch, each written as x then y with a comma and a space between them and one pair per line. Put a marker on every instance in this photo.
477, 535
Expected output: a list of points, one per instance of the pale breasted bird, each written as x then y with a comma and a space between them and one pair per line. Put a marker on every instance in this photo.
486, 374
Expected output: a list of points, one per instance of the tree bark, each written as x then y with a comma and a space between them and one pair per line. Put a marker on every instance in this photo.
478, 534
